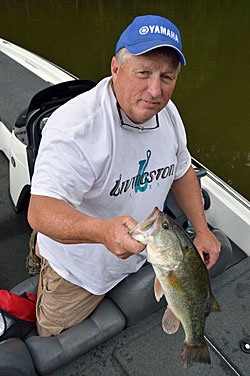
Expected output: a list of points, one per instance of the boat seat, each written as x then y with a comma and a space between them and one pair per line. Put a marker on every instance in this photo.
42, 105
129, 302
51, 353
15, 358
135, 295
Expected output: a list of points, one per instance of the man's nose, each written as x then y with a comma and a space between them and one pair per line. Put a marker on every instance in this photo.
154, 87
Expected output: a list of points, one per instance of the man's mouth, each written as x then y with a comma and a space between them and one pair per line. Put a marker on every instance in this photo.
151, 103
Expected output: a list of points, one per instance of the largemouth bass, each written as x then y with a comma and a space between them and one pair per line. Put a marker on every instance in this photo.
183, 278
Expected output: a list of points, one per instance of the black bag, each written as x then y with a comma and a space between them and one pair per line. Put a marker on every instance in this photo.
17, 314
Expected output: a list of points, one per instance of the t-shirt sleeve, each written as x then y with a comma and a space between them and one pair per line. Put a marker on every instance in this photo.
183, 155
61, 170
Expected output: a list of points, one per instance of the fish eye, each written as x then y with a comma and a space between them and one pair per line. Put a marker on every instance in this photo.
165, 226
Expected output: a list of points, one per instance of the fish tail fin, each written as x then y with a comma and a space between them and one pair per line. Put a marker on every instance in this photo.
191, 354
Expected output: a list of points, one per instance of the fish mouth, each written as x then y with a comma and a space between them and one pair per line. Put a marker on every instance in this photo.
146, 228
149, 222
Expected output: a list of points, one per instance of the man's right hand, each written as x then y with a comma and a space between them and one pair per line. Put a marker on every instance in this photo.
117, 239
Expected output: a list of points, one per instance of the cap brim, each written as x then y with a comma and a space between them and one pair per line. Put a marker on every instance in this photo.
142, 48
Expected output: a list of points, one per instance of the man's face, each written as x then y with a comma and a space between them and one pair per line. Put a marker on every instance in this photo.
144, 84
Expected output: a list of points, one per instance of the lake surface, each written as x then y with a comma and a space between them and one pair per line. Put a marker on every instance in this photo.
213, 90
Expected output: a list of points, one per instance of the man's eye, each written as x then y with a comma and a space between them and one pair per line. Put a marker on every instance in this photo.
143, 74
168, 78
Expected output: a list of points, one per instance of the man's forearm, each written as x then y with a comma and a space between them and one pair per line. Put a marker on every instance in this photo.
59, 221
62, 223
188, 195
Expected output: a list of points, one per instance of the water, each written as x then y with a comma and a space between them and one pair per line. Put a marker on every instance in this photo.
212, 92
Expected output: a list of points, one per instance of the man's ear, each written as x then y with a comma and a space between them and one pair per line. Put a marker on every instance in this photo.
115, 65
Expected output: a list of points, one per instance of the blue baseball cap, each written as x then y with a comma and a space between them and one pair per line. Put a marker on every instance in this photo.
146, 33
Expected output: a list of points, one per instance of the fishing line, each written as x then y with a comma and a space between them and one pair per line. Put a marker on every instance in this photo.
222, 356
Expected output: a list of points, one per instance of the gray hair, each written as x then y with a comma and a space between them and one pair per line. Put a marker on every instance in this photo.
123, 54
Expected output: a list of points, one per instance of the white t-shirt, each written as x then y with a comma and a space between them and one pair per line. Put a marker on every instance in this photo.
103, 170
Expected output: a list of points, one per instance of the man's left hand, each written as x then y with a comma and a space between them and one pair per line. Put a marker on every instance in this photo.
208, 247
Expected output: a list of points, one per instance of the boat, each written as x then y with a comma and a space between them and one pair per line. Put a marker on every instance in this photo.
123, 335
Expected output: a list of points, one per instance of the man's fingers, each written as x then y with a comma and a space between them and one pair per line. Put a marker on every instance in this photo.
130, 223
117, 238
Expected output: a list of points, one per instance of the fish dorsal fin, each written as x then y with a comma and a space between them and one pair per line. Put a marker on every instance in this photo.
170, 323
158, 290
215, 307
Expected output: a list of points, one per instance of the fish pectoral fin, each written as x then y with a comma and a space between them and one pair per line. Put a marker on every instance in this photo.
170, 323
215, 307
174, 282
158, 290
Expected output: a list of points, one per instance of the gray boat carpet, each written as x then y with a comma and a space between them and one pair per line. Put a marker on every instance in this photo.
17, 86
227, 328
142, 350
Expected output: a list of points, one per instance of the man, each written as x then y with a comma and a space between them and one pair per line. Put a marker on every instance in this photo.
106, 158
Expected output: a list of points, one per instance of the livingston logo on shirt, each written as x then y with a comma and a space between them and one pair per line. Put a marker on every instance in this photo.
143, 179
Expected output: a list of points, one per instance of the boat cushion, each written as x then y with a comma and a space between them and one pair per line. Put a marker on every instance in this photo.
135, 295
28, 285
51, 353
129, 302
15, 359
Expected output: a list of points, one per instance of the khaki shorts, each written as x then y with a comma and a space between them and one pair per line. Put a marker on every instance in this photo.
61, 304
